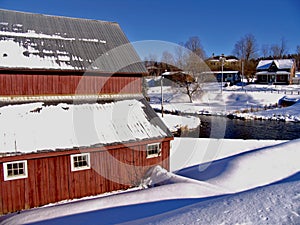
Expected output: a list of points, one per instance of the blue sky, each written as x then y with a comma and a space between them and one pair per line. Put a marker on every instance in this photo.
219, 24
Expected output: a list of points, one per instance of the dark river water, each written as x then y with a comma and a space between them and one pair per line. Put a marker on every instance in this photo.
222, 127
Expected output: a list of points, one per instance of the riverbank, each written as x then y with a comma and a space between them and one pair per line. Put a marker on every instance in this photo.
253, 102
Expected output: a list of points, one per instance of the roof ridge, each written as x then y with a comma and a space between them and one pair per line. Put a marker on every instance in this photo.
58, 16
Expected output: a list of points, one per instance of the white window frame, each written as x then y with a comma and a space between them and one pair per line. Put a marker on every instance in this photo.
149, 155
15, 177
88, 166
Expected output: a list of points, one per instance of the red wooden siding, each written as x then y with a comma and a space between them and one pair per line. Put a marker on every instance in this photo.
27, 84
50, 178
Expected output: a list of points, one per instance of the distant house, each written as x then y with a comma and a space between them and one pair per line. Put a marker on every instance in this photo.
73, 120
231, 77
178, 77
215, 60
277, 71
231, 62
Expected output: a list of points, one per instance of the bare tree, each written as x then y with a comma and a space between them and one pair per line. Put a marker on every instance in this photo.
194, 45
279, 50
265, 50
167, 58
298, 50
180, 56
246, 48
189, 58
297, 57
150, 59
275, 51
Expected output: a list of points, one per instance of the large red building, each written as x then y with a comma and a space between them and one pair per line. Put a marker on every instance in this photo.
73, 119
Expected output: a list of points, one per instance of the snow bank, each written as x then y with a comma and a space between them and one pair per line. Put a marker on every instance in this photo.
287, 114
278, 204
175, 122
202, 150
251, 169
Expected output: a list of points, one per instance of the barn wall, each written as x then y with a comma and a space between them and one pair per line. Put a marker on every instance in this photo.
50, 179
27, 84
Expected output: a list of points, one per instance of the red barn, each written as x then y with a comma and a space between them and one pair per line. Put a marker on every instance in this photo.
73, 120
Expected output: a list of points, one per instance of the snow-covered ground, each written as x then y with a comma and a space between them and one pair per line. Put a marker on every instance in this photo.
212, 181
176, 122
258, 183
249, 102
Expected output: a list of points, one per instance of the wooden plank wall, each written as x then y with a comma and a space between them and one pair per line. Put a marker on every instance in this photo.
50, 179
24, 84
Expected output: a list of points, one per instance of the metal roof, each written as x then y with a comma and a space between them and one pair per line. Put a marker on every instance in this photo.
34, 127
39, 41
280, 64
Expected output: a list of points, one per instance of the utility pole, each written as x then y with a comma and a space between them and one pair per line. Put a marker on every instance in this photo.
162, 95
242, 74
222, 60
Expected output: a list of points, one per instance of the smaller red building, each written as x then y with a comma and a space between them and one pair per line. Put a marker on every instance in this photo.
73, 120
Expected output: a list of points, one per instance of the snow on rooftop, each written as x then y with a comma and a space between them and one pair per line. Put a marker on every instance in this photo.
12, 52
264, 64
32, 127
284, 63
280, 63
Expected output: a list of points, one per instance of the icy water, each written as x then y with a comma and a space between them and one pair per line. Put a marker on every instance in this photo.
222, 127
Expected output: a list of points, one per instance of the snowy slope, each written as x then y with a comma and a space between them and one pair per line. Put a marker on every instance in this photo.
251, 169
276, 204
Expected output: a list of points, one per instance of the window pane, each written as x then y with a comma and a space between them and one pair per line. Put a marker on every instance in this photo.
80, 161
9, 173
21, 171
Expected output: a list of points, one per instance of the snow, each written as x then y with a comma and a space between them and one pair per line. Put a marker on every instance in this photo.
14, 53
287, 114
280, 63
258, 186
212, 181
33, 34
204, 150
35, 126
175, 122
264, 64
232, 101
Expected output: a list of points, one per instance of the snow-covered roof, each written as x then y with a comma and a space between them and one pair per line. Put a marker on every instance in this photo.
219, 72
264, 64
273, 73
280, 63
37, 41
174, 73
36, 126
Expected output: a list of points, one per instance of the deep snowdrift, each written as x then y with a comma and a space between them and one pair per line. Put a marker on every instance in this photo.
276, 204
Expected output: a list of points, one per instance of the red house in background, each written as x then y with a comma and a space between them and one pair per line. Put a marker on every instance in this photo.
73, 120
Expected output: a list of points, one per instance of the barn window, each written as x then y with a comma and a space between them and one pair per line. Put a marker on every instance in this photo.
153, 150
80, 162
15, 170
